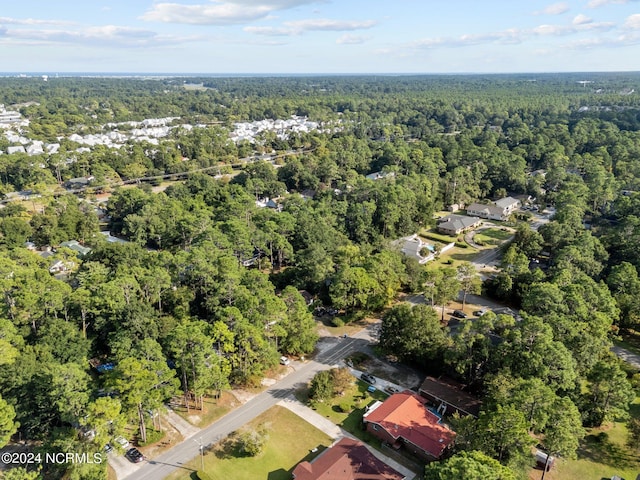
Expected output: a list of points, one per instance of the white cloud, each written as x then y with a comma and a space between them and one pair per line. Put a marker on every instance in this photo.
32, 21
219, 12
269, 31
298, 27
580, 24
103, 36
330, 25
581, 20
554, 9
632, 22
349, 39
600, 3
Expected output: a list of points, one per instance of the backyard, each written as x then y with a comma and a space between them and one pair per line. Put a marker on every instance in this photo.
290, 440
602, 454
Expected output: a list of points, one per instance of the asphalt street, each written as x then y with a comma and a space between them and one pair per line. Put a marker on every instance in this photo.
182, 453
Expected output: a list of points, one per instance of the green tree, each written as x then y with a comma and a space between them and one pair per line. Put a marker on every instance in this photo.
609, 393
412, 333
299, 325
321, 387
353, 288
8, 426
473, 465
469, 281
446, 288
143, 384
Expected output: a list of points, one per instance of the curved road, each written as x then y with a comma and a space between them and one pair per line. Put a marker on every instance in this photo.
182, 453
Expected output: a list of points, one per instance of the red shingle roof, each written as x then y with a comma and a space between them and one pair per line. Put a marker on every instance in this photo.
346, 460
403, 415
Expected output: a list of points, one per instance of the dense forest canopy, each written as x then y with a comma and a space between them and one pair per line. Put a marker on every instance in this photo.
205, 292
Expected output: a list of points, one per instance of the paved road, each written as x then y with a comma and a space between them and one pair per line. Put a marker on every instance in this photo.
332, 352
629, 357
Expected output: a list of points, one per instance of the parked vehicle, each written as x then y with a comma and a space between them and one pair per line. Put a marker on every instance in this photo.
391, 389
121, 442
368, 378
479, 313
134, 455
459, 314
284, 361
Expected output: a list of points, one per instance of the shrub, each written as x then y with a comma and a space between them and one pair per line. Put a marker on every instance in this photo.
345, 407
203, 475
251, 443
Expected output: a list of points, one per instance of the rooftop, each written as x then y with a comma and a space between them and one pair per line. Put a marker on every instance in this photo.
403, 415
346, 460
452, 394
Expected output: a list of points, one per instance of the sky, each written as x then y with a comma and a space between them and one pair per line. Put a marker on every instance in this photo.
319, 36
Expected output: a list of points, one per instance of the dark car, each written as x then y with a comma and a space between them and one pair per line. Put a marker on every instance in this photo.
134, 455
368, 378
391, 389
459, 314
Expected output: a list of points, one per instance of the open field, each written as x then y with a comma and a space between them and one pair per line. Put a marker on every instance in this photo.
290, 441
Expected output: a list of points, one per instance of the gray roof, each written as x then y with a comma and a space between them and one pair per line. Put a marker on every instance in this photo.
457, 222
505, 202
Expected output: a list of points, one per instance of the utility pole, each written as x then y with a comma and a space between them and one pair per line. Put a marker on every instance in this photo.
201, 448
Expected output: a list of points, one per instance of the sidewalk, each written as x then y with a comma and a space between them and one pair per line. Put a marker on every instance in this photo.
185, 428
335, 432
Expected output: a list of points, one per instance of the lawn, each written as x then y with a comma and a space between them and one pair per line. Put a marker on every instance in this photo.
603, 453
357, 398
492, 237
290, 441
213, 410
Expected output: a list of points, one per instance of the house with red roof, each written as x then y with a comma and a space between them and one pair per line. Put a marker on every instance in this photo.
347, 459
404, 421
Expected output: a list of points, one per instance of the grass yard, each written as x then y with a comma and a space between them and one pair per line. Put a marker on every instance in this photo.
213, 410
357, 398
602, 454
290, 441
492, 237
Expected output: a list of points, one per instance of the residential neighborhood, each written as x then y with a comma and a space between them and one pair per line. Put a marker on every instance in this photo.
334, 277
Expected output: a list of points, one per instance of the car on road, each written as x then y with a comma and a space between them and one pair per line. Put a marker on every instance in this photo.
459, 314
121, 442
391, 389
284, 361
368, 378
134, 455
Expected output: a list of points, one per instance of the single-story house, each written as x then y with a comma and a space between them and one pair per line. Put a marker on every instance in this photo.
456, 224
414, 247
61, 267
380, 175
346, 459
449, 397
77, 183
76, 247
404, 421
